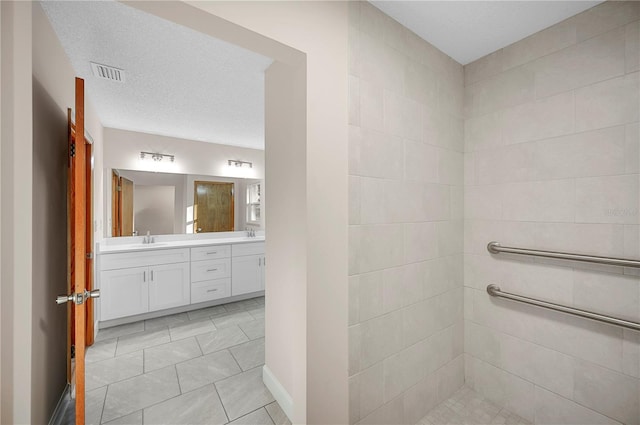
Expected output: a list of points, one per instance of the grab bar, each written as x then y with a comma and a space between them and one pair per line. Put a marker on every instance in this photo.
496, 248
494, 291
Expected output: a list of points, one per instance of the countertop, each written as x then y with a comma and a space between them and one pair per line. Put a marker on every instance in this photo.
125, 247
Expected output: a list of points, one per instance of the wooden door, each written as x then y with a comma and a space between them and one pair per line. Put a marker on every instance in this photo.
116, 228
213, 207
78, 242
126, 206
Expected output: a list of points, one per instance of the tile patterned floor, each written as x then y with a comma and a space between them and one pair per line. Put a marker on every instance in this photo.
467, 407
200, 367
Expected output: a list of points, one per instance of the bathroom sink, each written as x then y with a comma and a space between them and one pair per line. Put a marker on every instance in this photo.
146, 245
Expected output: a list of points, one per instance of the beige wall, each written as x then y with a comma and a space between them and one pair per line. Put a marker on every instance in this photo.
122, 151
318, 361
16, 207
405, 216
551, 162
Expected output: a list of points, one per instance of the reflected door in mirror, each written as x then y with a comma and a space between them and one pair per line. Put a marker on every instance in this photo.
122, 206
213, 207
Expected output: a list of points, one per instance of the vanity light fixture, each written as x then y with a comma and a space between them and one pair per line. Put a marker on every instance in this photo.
157, 156
239, 163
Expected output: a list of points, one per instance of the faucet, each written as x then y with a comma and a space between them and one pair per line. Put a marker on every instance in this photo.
251, 233
148, 238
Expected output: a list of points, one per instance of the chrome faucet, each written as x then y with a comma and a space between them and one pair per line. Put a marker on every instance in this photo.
251, 233
148, 238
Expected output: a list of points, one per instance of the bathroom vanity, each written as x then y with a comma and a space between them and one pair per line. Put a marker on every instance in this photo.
139, 281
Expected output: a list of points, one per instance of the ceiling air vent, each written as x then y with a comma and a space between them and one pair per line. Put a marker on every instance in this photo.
107, 72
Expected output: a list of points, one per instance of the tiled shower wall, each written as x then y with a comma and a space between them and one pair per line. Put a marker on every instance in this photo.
405, 223
551, 162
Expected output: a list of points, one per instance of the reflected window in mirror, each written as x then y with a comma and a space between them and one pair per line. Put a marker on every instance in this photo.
253, 203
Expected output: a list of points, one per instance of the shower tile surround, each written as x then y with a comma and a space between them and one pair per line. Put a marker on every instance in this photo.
534, 145
405, 223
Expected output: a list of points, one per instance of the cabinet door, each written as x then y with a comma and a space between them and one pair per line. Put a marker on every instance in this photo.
246, 274
169, 286
263, 266
124, 292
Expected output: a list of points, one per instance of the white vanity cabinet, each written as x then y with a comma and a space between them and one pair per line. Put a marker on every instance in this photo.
148, 280
247, 268
160, 281
169, 286
123, 292
210, 273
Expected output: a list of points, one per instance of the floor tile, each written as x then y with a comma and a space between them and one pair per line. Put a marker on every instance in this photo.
133, 394
277, 414
206, 312
253, 329
243, 393
260, 301
168, 354
136, 342
191, 328
93, 405
207, 369
250, 354
133, 419
241, 305
221, 339
201, 406
258, 417
106, 372
257, 313
165, 321
230, 319
101, 350
117, 331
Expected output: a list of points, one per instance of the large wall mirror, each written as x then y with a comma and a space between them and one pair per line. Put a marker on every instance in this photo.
168, 203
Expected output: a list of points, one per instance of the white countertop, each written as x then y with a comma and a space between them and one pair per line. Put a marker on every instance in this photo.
130, 247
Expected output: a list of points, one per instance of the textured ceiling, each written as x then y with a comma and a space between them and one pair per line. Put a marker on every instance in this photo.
469, 30
179, 82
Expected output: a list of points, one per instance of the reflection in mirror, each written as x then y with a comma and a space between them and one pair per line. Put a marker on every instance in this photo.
168, 203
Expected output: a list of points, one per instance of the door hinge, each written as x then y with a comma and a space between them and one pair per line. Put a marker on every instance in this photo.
119, 188
89, 255
72, 150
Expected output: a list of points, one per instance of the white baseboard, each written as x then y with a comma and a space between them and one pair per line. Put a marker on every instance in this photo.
279, 393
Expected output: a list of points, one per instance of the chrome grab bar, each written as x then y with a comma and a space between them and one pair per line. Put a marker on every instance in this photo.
496, 248
494, 291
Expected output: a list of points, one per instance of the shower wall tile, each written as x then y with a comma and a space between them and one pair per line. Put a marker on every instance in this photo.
593, 60
611, 393
611, 102
522, 123
632, 148
540, 44
605, 17
607, 199
594, 153
632, 47
406, 226
552, 409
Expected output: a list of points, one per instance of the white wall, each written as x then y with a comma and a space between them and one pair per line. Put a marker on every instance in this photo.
16, 213
122, 151
316, 322
154, 209
551, 162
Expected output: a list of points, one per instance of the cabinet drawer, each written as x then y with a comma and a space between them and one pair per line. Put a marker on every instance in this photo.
210, 290
210, 252
254, 248
143, 258
210, 269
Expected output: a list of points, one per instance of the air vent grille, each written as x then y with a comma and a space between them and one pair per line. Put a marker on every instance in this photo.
106, 72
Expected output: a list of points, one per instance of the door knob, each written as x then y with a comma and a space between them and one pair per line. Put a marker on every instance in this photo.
78, 298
